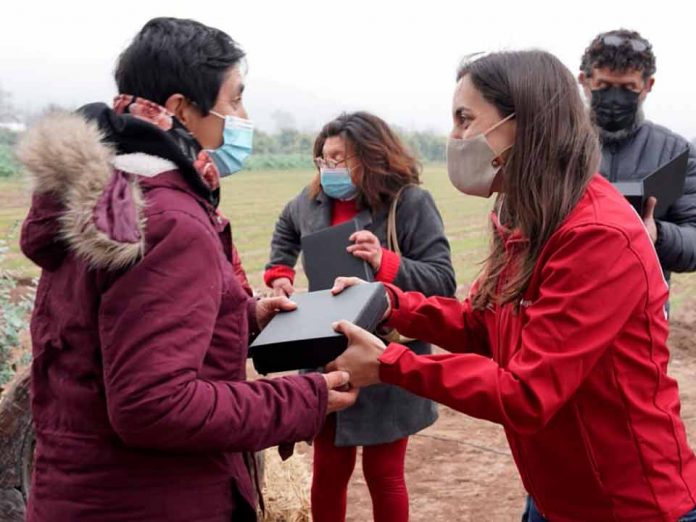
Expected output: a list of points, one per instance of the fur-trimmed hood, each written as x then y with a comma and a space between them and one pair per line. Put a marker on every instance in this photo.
82, 202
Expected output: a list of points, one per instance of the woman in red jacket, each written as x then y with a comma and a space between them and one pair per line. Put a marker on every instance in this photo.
563, 337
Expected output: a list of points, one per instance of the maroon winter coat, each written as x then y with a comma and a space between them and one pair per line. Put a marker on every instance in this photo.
140, 334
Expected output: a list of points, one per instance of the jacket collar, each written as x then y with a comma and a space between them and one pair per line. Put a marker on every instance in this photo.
141, 164
128, 134
507, 235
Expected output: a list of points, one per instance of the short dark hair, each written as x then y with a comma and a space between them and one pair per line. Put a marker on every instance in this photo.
619, 50
173, 55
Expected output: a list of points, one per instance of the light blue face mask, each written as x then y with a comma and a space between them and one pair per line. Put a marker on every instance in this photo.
337, 183
237, 141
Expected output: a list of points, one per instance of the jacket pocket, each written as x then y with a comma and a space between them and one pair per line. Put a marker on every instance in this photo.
588, 446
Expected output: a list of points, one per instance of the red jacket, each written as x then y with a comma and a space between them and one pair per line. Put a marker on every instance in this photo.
138, 394
578, 378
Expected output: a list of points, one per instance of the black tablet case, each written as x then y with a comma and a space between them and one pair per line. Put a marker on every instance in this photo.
666, 184
305, 338
325, 258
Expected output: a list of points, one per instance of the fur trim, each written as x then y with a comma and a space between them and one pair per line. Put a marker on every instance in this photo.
142, 164
64, 154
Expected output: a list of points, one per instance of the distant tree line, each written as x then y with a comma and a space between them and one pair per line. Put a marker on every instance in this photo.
428, 146
291, 148
8, 165
285, 149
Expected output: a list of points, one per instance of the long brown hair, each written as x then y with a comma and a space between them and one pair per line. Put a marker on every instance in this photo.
554, 156
387, 165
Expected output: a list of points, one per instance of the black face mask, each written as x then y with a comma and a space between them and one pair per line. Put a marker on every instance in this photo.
615, 108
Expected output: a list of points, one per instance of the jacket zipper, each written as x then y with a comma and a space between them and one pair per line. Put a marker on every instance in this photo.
499, 326
613, 164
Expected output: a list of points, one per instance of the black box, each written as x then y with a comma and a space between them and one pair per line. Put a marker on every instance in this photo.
304, 338
666, 184
324, 256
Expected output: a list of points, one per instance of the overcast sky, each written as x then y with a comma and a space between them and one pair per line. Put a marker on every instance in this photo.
315, 59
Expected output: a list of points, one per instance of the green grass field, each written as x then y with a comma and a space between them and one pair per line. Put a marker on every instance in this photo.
14, 202
253, 201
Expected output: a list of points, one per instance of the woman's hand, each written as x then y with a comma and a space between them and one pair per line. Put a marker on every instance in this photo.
361, 358
268, 307
342, 283
367, 247
282, 287
341, 393
649, 218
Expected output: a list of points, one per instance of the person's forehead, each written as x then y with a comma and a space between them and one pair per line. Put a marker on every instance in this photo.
234, 81
617, 76
334, 145
467, 96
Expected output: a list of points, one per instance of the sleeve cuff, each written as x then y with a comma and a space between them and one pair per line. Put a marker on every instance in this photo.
251, 317
276, 272
319, 384
396, 299
389, 267
660, 233
388, 369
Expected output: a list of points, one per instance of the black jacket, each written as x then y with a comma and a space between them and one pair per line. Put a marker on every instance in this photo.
648, 148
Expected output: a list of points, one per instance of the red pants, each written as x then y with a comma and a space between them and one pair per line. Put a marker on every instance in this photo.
383, 467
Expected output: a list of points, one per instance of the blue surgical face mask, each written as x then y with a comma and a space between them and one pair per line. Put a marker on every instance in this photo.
237, 136
337, 183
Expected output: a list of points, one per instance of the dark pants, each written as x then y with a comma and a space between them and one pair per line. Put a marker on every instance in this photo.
532, 515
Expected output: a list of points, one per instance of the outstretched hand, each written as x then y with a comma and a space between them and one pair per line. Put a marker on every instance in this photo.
342, 283
268, 307
341, 394
649, 218
361, 358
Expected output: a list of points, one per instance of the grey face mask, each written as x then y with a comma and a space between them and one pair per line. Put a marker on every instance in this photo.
472, 164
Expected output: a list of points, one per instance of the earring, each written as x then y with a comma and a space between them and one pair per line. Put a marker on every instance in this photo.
496, 162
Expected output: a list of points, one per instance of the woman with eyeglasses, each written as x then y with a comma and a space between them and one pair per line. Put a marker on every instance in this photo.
363, 167
563, 338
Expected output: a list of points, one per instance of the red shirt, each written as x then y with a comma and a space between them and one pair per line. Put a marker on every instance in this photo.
577, 377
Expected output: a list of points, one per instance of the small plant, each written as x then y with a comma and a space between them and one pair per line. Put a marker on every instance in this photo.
15, 307
8, 165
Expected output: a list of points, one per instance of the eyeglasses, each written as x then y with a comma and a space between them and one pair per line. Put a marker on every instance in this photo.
329, 163
614, 40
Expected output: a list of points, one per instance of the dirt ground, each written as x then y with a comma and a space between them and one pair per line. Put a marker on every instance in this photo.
460, 469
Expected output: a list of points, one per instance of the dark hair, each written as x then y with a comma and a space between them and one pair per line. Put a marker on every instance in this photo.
172, 55
619, 50
552, 160
386, 163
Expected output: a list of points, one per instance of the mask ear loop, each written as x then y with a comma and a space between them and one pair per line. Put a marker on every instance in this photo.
497, 161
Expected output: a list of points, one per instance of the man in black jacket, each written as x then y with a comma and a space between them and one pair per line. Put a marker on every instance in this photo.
617, 73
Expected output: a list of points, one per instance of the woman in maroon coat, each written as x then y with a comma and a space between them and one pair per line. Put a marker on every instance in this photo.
141, 326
